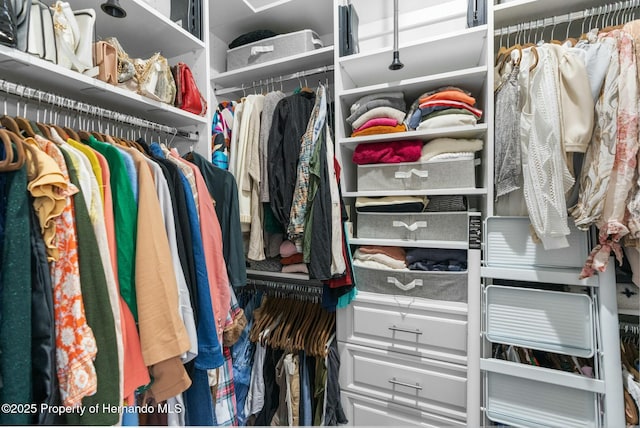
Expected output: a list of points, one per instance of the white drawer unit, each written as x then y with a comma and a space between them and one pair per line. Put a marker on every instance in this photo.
545, 320
432, 386
527, 396
448, 286
441, 226
436, 330
365, 411
445, 174
509, 244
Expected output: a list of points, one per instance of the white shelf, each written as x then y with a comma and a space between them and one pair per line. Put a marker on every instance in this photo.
20, 67
518, 11
300, 62
458, 50
634, 312
538, 274
542, 374
144, 31
470, 79
427, 192
449, 245
468, 131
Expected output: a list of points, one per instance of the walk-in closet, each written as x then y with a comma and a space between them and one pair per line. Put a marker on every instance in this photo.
320, 212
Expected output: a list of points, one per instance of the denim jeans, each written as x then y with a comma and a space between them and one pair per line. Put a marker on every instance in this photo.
198, 401
306, 412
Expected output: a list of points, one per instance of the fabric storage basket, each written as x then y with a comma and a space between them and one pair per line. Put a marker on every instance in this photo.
445, 174
449, 286
272, 48
442, 226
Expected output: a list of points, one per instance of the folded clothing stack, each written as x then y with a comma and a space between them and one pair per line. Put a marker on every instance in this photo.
436, 259
450, 148
392, 204
442, 108
387, 152
378, 257
291, 258
381, 113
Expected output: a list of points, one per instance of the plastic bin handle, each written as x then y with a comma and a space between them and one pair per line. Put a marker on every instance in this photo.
404, 287
407, 174
411, 228
261, 49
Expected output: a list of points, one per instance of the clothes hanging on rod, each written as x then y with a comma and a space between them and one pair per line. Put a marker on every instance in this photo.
568, 159
118, 224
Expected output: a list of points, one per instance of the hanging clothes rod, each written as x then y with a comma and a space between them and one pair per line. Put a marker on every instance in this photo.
286, 286
274, 80
29, 93
620, 7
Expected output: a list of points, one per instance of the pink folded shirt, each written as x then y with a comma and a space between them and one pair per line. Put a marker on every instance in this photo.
451, 103
378, 121
387, 152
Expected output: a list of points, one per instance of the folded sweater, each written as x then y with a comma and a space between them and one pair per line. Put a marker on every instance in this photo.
449, 95
391, 112
397, 253
436, 255
449, 145
391, 95
448, 121
370, 105
375, 130
380, 258
431, 106
378, 121
372, 264
387, 152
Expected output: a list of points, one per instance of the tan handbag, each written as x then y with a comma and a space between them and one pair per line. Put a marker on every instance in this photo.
155, 79
105, 56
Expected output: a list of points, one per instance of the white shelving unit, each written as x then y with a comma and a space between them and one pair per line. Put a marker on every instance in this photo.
554, 397
391, 330
160, 35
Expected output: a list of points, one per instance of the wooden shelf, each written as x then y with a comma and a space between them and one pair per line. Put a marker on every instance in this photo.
300, 62
20, 67
470, 131
517, 11
440, 54
450, 245
144, 31
463, 191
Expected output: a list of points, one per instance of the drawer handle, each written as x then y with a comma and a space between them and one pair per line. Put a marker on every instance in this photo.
404, 287
408, 385
412, 227
407, 174
405, 330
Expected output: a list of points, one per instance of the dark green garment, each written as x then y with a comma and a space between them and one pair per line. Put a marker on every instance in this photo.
224, 190
97, 307
125, 213
15, 325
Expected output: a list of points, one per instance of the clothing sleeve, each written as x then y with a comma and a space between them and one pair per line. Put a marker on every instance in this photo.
276, 170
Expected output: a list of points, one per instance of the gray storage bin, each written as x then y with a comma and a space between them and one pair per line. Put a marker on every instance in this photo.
449, 286
273, 48
445, 174
445, 226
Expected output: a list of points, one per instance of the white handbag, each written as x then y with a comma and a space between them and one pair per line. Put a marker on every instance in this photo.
74, 37
40, 37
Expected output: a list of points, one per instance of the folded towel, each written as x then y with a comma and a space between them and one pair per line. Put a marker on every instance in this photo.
371, 264
453, 156
380, 258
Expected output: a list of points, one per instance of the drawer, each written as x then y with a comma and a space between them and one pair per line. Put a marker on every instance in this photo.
366, 411
509, 244
427, 329
449, 226
527, 396
445, 174
546, 320
432, 386
448, 286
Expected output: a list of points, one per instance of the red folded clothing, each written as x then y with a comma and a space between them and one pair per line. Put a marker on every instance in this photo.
387, 152
377, 121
